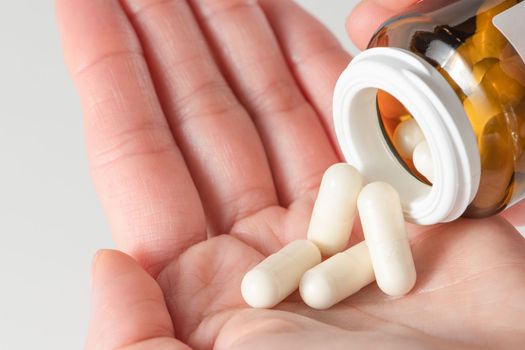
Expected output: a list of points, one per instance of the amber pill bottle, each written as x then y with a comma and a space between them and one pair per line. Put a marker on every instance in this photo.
458, 69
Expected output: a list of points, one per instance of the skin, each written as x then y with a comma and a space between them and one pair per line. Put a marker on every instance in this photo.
208, 126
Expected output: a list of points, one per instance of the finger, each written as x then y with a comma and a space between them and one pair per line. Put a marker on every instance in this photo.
218, 139
313, 53
516, 214
146, 190
296, 144
368, 15
128, 308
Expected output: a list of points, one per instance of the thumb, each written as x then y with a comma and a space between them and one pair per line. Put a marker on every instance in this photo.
368, 15
516, 214
128, 308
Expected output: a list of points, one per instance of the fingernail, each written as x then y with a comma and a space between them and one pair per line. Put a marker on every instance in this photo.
96, 257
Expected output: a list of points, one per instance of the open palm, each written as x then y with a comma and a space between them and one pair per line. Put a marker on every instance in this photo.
208, 127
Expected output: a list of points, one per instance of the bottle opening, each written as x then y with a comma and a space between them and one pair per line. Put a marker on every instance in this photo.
367, 119
404, 137
374, 157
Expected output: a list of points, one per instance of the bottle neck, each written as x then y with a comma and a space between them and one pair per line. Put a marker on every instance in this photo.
438, 111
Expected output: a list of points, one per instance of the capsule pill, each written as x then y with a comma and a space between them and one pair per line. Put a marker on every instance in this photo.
423, 162
278, 276
386, 237
334, 210
337, 278
406, 137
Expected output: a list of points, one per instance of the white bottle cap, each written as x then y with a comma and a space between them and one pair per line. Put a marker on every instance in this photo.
440, 114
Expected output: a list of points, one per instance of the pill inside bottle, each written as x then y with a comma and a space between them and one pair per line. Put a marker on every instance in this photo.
404, 136
422, 158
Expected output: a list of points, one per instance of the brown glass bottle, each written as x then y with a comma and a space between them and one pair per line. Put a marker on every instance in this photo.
460, 40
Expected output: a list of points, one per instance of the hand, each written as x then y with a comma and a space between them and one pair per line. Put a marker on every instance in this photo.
208, 128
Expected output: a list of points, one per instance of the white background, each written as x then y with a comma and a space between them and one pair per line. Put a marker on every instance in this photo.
50, 221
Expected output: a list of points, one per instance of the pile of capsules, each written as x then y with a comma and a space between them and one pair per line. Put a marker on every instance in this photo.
384, 256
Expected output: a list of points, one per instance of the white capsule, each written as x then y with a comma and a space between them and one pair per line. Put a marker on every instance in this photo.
406, 137
386, 237
423, 162
334, 210
337, 278
278, 276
